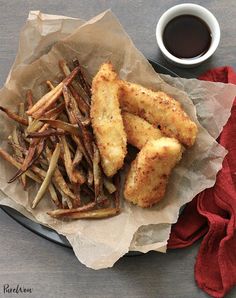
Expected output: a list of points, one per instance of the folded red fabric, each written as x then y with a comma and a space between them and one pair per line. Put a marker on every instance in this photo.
213, 213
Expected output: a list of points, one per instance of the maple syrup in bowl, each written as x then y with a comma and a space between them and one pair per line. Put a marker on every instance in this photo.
187, 34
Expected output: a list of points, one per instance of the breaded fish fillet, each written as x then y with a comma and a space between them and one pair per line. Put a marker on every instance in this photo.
148, 175
159, 109
138, 130
106, 120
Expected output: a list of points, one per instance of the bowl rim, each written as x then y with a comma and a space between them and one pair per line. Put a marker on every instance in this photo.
192, 8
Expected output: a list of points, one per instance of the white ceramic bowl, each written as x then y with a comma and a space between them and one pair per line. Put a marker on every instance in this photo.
188, 9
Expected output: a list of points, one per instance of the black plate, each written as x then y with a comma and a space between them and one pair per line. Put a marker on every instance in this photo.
49, 233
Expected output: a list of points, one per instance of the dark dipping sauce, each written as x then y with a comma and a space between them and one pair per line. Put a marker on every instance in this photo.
187, 36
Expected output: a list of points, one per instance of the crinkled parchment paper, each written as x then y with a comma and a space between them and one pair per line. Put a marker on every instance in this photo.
44, 40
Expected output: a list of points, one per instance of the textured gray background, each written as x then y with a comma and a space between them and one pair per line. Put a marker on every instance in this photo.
51, 270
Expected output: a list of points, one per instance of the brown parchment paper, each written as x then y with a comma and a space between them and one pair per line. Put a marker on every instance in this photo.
99, 244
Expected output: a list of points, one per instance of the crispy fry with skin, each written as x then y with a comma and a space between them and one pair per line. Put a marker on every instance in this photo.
14, 116
74, 175
42, 175
97, 174
55, 112
47, 100
29, 98
76, 85
138, 130
111, 188
77, 158
35, 125
160, 109
47, 133
26, 163
51, 97
17, 147
50, 85
81, 146
106, 120
90, 214
90, 177
58, 178
87, 139
47, 180
84, 83
70, 128
82, 104
18, 165
76, 191
18, 152
62, 212
117, 194
148, 175
72, 109
54, 196
34, 152
21, 109
71, 105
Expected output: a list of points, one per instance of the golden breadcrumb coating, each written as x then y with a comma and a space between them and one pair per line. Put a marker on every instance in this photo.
138, 130
148, 175
159, 109
106, 120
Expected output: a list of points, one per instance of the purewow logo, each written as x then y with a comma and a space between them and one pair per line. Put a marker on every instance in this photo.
16, 289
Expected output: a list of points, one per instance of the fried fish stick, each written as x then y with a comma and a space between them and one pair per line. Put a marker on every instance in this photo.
148, 176
107, 121
138, 130
159, 109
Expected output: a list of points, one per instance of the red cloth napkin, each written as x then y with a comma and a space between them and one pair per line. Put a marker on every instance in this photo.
213, 213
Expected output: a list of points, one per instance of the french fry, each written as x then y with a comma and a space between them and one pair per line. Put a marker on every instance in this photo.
59, 180
18, 152
55, 112
90, 177
26, 163
46, 133
45, 102
75, 176
87, 140
82, 79
54, 196
91, 214
81, 147
21, 109
14, 116
70, 128
18, 165
47, 180
97, 175
17, 147
29, 98
62, 212
48, 99
82, 104
50, 85
71, 105
117, 193
35, 125
76, 191
111, 188
75, 84
77, 158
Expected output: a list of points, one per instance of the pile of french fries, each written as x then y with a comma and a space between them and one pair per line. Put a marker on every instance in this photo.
53, 145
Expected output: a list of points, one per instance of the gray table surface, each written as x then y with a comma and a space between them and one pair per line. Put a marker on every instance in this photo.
51, 270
